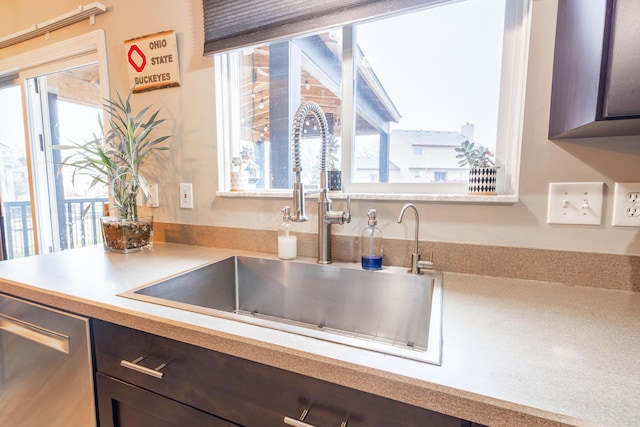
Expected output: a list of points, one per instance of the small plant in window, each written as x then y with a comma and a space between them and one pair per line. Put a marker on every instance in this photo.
482, 170
246, 161
236, 163
476, 156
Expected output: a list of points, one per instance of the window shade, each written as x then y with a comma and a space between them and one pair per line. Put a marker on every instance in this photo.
232, 24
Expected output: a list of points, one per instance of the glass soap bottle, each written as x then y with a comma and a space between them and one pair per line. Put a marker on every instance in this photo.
371, 244
287, 241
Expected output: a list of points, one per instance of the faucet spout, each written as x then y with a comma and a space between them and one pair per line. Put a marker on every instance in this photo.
326, 216
417, 227
416, 263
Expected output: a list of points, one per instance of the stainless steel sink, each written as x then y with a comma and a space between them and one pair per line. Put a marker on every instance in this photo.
388, 311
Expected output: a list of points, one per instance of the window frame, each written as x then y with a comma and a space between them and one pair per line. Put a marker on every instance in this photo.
509, 135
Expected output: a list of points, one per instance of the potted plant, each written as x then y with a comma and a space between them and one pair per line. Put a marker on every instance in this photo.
482, 170
114, 159
242, 167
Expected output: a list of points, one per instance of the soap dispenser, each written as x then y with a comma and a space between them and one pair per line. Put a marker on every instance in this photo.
371, 244
287, 241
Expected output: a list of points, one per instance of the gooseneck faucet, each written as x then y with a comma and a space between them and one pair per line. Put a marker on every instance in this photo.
326, 216
416, 263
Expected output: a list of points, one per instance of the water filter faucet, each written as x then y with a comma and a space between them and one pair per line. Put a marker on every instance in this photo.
416, 263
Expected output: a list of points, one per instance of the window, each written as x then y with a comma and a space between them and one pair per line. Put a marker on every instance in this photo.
399, 93
440, 176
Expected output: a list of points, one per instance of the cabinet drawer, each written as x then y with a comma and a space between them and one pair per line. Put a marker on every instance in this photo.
244, 392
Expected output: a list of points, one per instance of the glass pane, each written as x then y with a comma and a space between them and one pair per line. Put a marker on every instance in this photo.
14, 178
73, 107
273, 81
423, 86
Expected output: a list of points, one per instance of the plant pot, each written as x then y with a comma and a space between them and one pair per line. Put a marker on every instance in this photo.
335, 180
124, 236
239, 181
482, 181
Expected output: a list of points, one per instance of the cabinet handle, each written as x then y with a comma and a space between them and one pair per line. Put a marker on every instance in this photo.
300, 421
143, 369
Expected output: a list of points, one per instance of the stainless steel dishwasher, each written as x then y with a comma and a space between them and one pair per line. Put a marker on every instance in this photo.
46, 376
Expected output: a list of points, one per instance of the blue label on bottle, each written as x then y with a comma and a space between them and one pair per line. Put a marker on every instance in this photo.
372, 262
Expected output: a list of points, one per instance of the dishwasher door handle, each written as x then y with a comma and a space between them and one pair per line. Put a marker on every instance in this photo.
35, 333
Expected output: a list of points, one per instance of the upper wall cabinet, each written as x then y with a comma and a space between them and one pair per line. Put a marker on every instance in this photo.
596, 82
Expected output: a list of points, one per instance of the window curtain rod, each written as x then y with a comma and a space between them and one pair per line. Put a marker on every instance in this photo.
81, 12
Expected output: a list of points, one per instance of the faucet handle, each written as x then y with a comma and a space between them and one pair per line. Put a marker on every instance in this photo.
348, 213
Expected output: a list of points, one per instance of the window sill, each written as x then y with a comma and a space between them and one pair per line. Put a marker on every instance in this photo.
502, 199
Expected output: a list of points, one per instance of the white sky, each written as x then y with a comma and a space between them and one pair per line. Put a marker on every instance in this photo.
450, 73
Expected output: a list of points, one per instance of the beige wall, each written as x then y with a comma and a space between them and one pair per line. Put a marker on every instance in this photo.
193, 158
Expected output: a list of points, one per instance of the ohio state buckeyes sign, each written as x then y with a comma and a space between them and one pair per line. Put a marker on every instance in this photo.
152, 61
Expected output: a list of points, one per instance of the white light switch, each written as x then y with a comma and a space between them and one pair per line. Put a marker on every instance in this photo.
575, 203
186, 195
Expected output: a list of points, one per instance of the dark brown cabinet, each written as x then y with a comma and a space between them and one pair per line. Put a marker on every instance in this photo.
596, 84
188, 385
123, 404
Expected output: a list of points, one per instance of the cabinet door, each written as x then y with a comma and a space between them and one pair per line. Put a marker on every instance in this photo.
622, 97
577, 65
124, 405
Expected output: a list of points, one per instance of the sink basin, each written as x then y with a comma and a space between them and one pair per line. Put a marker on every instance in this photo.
388, 311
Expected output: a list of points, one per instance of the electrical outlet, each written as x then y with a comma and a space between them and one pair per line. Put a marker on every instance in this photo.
575, 203
186, 195
632, 197
626, 204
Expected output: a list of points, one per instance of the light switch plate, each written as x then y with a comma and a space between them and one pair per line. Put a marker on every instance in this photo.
577, 203
186, 195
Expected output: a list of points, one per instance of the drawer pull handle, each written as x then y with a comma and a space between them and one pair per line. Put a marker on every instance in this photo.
156, 373
300, 421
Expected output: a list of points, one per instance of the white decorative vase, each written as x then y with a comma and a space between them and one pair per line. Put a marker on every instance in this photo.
482, 181
239, 181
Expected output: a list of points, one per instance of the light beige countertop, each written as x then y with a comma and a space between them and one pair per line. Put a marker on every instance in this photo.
515, 352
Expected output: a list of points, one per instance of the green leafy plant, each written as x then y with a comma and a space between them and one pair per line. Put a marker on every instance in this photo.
114, 158
474, 156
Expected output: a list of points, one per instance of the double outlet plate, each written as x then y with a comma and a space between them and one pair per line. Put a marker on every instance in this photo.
626, 204
582, 203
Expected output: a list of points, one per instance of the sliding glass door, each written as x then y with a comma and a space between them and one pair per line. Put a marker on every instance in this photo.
63, 107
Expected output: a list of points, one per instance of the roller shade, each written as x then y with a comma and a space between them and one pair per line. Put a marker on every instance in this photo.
232, 24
